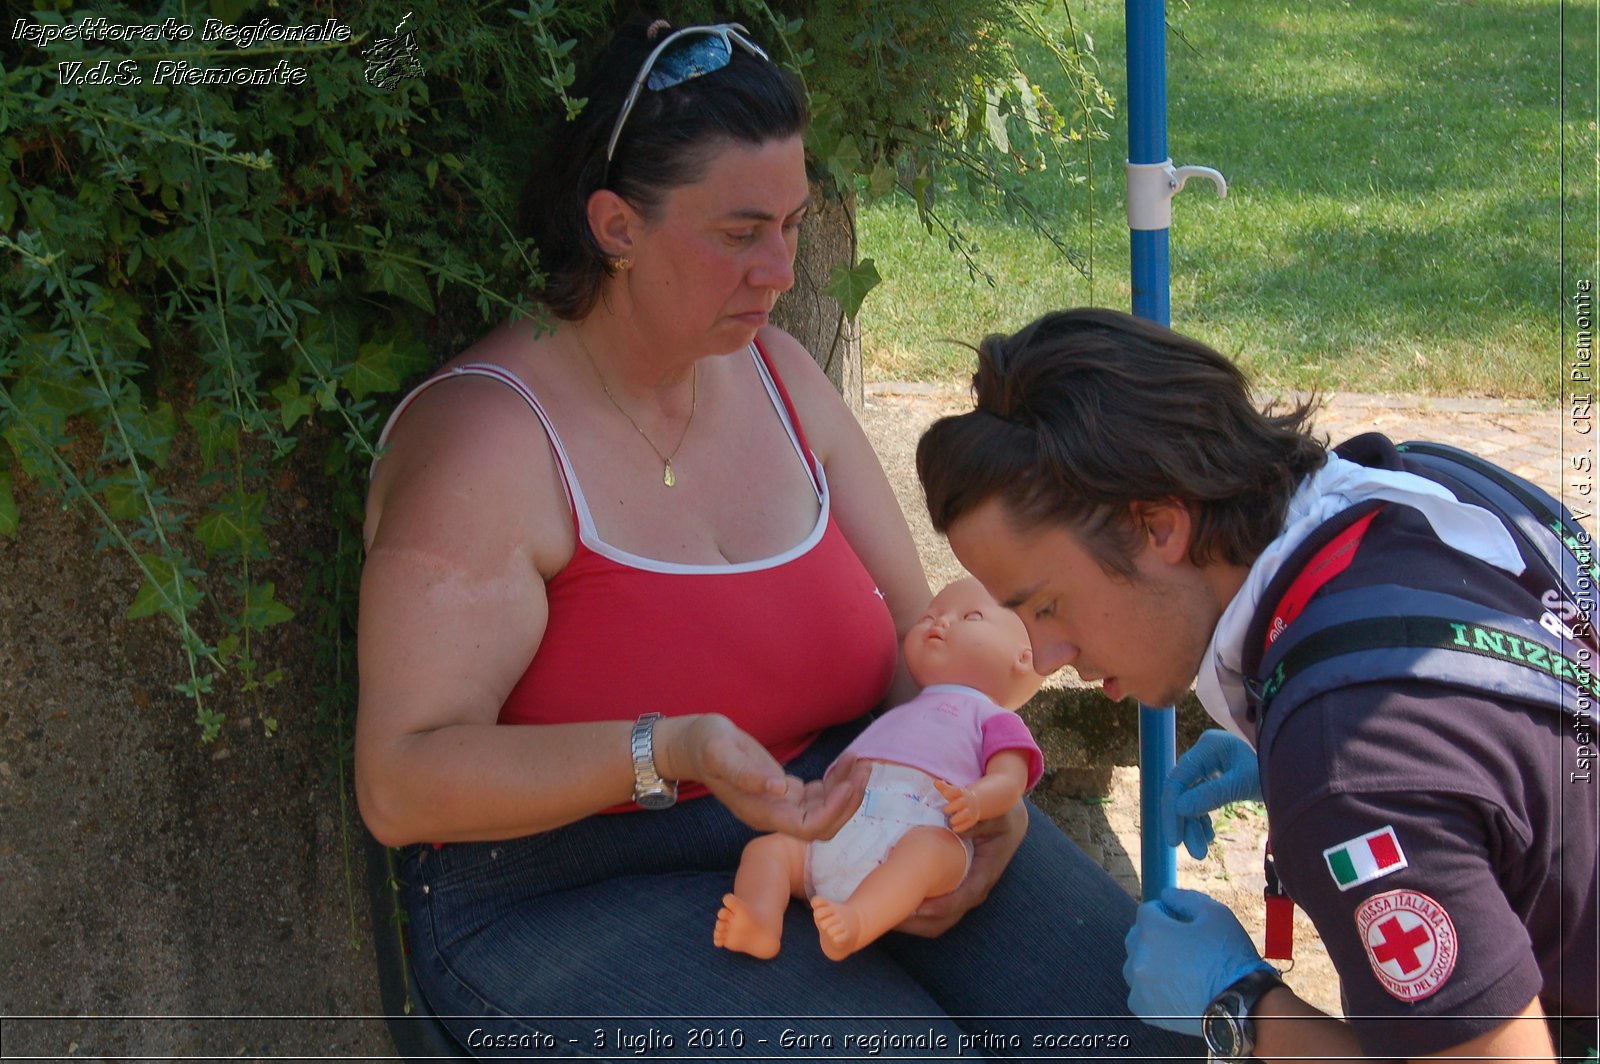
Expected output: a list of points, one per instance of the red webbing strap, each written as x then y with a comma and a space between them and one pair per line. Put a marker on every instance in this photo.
1334, 558
1279, 944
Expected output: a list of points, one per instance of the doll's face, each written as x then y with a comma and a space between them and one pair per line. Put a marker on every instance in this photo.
966, 637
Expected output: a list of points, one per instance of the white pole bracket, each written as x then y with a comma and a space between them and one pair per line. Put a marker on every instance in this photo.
1151, 187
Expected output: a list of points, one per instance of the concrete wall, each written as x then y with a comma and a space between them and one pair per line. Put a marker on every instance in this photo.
143, 873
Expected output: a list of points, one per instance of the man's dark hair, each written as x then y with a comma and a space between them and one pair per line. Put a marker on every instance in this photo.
1085, 412
666, 142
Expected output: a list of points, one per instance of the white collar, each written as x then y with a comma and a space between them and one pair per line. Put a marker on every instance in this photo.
955, 689
1337, 486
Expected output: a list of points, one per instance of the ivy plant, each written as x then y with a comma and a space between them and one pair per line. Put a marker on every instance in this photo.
196, 261
224, 232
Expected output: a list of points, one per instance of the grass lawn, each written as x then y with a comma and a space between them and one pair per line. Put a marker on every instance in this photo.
1393, 221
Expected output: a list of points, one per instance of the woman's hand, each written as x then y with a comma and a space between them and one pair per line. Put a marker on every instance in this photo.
994, 843
751, 783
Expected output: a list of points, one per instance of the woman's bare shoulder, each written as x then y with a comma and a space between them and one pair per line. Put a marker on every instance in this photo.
468, 462
790, 357
817, 401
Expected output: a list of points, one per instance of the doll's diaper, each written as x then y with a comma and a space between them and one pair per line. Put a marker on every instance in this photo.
897, 799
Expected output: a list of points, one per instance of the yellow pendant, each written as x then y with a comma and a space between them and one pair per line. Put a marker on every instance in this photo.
668, 477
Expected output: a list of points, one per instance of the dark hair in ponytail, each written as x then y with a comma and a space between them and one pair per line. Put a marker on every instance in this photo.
666, 142
1084, 412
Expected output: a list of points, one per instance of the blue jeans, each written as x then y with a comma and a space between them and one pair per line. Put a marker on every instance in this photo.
595, 940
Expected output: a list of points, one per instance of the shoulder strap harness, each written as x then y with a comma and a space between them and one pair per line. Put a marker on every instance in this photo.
1391, 632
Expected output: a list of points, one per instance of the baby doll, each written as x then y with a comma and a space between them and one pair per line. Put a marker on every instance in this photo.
954, 755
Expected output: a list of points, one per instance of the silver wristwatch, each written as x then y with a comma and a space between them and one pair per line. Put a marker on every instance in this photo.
1229, 1032
650, 791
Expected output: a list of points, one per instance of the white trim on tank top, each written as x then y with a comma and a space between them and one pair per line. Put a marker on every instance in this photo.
580, 506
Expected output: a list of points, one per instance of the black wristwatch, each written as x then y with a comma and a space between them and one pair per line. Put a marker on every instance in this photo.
1229, 1033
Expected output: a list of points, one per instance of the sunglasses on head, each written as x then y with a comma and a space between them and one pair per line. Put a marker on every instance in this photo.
683, 56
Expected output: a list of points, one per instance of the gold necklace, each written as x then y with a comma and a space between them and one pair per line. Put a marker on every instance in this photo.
668, 477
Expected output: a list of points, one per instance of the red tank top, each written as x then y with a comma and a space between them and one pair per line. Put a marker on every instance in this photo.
784, 646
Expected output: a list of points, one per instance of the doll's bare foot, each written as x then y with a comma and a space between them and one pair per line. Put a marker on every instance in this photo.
740, 929
840, 927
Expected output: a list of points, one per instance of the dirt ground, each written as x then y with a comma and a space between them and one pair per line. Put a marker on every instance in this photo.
1107, 828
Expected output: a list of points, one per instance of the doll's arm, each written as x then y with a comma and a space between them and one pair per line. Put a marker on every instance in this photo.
1001, 786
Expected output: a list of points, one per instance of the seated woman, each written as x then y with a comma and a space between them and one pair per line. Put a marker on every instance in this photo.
629, 582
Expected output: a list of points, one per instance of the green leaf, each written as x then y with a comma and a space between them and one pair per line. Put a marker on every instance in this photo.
292, 405
210, 720
262, 609
57, 397
9, 515
882, 180
838, 153
384, 363
30, 458
845, 161
919, 194
160, 592
401, 279
994, 121
1028, 100
152, 431
213, 433
327, 339
124, 500
37, 428
850, 286
235, 525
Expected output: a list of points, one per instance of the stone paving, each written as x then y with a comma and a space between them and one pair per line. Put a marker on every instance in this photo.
1098, 804
1523, 437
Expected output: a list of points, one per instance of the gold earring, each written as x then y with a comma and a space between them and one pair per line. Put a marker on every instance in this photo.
621, 262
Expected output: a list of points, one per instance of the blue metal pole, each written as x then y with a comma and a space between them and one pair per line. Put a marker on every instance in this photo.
1152, 294
1147, 143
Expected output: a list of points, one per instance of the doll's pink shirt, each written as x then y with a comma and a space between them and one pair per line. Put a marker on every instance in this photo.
950, 732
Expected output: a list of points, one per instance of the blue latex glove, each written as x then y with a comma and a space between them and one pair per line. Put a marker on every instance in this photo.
1219, 768
1183, 951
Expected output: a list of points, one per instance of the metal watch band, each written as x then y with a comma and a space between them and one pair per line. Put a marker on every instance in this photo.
649, 789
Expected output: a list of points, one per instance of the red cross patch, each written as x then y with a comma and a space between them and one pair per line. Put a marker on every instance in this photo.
1410, 942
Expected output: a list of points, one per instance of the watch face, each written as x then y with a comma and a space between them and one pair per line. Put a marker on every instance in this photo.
661, 799
1221, 1033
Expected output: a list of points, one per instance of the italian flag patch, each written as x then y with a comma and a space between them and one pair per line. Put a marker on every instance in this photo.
1361, 860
